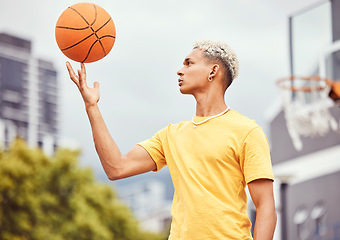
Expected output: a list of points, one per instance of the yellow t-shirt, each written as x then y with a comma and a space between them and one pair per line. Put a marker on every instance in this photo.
210, 166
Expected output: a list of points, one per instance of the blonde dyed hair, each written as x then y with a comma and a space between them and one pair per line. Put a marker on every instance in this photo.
219, 51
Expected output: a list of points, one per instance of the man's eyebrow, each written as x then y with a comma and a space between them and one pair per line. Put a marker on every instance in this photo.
186, 60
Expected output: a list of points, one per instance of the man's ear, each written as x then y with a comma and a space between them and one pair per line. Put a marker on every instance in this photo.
214, 70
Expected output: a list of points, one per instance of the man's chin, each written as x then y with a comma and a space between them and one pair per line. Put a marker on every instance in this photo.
184, 91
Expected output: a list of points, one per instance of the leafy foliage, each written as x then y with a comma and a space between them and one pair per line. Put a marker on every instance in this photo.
53, 198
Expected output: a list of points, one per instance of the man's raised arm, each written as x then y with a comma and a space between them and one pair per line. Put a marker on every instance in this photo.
115, 164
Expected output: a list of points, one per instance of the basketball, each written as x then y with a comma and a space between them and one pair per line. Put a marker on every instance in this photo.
85, 32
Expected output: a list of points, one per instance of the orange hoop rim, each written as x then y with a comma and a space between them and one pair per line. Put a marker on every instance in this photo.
303, 89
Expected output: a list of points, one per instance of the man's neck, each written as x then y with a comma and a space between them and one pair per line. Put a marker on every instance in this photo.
209, 105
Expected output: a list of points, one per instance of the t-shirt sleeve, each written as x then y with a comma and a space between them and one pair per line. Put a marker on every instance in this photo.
154, 146
255, 158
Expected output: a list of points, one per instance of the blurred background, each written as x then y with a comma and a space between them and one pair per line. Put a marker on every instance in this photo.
139, 94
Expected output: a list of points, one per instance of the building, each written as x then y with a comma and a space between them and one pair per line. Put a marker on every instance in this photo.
307, 168
28, 95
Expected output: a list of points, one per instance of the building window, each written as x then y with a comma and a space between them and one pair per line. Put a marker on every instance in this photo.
300, 220
319, 218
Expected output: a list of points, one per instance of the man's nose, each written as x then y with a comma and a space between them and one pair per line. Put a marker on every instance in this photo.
180, 72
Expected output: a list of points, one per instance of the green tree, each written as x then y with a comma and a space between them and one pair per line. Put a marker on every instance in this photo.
53, 198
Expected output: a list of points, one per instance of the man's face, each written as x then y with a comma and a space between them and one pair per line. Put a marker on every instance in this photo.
194, 74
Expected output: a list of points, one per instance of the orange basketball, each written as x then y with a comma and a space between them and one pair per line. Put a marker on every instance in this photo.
85, 32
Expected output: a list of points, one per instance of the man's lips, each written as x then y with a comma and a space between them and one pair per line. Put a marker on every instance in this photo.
180, 82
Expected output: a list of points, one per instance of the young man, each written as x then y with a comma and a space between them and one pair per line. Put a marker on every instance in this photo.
211, 158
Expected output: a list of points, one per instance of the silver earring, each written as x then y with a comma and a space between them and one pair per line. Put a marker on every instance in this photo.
210, 79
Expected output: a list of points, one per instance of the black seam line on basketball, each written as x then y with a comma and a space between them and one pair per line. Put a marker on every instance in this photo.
101, 44
70, 28
88, 53
77, 42
95, 32
107, 36
95, 14
104, 24
79, 15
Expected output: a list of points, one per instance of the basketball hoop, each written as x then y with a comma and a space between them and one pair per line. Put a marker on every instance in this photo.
306, 104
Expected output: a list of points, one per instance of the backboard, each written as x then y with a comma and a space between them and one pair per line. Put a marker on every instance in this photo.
314, 37
310, 35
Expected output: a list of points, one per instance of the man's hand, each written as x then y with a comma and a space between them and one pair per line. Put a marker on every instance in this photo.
90, 95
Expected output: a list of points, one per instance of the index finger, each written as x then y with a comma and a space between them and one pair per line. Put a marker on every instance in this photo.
72, 74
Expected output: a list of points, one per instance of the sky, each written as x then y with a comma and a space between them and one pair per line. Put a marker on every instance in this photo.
138, 81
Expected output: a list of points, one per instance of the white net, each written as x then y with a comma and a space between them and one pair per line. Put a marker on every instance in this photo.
306, 106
